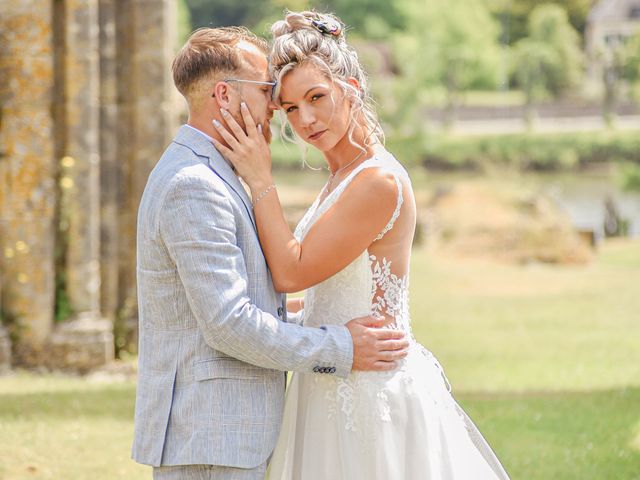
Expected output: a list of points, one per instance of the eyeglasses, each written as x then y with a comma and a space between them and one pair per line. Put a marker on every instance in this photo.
255, 82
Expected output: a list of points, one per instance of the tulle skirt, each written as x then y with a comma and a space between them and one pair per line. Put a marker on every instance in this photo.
402, 425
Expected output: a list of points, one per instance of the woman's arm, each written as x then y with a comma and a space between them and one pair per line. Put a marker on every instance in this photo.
337, 238
343, 232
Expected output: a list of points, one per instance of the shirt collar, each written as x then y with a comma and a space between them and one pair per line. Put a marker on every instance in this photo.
211, 140
200, 132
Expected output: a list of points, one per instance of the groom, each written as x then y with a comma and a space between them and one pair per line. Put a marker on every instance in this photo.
214, 336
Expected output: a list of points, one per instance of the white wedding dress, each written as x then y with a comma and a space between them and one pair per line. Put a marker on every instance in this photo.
399, 425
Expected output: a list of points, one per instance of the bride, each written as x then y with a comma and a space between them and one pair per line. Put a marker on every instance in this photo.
351, 253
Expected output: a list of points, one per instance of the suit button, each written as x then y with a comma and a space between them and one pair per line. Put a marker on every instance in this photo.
332, 370
316, 369
280, 311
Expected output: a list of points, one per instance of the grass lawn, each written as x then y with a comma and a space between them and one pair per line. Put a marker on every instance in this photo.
545, 359
56, 427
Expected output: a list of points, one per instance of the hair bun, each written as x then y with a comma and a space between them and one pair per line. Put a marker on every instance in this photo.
323, 23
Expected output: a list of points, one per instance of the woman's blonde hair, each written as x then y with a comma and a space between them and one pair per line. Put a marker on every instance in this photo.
318, 38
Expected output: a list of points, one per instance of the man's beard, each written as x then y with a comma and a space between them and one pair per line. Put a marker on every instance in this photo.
266, 131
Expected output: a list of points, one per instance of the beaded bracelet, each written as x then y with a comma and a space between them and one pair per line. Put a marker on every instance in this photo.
264, 193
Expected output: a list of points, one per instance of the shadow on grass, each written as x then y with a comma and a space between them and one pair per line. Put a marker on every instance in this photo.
564, 435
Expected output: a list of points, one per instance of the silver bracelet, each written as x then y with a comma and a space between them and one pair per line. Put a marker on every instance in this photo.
263, 194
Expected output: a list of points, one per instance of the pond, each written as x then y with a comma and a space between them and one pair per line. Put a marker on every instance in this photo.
582, 196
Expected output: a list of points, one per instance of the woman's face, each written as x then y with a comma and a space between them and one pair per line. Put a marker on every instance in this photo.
316, 108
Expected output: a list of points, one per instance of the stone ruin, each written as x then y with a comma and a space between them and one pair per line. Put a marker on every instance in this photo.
85, 112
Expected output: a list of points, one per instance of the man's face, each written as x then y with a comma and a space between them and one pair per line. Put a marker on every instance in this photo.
256, 96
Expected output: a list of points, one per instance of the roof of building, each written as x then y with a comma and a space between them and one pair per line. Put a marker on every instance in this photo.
615, 10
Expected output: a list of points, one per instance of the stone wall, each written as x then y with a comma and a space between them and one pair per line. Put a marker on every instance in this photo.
84, 115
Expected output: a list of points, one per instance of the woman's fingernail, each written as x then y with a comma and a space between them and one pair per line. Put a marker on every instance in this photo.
216, 122
224, 112
260, 128
243, 105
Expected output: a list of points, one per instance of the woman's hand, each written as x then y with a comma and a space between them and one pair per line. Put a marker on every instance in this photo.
247, 151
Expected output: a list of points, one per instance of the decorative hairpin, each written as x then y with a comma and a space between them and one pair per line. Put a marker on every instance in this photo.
328, 27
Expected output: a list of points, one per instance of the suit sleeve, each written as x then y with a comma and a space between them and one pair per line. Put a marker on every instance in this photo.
199, 230
295, 318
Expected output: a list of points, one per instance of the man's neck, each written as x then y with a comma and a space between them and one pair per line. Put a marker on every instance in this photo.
208, 134
204, 127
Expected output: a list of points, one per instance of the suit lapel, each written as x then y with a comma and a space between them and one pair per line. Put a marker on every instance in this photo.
220, 166
204, 148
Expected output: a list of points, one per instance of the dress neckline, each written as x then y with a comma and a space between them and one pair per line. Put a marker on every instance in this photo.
377, 150
320, 206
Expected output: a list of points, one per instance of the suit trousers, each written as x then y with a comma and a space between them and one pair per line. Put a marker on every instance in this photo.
208, 472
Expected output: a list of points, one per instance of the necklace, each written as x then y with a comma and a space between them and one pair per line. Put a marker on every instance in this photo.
327, 189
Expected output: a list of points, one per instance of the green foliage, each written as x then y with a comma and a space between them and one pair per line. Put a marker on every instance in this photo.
630, 176
373, 19
448, 44
534, 64
218, 13
631, 65
63, 309
512, 15
452, 43
184, 22
549, 61
539, 152
551, 152
549, 23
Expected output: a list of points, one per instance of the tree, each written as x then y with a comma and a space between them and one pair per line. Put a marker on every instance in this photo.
450, 44
533, 63
631, 66
218, 13
549, 23
373, 19
184, 22
513, 16
620, 69
549, 62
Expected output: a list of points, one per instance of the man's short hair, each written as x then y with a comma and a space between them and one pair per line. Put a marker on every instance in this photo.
210, 51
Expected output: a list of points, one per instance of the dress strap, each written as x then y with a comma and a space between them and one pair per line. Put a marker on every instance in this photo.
396, 212
383, 160
376, 162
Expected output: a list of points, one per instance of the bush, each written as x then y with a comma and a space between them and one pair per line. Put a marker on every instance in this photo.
538, 152
544, 152
630, 176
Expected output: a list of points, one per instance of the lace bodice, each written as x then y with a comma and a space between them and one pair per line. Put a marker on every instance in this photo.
375, 282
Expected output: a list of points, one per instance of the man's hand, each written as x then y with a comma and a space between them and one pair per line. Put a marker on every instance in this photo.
376, 348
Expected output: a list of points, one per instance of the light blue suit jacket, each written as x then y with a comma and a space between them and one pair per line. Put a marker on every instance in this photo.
214, 340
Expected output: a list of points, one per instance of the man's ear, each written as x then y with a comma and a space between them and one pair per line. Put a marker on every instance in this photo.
221, 92
354, 83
